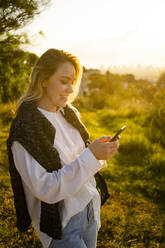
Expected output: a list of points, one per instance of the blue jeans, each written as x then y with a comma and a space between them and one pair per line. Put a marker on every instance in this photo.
80, 232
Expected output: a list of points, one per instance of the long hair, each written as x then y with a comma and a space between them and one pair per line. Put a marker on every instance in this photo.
44, 68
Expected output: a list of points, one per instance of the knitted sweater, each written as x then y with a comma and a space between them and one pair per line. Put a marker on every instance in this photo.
34, 131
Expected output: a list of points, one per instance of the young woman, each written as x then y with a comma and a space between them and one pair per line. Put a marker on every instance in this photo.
53, 166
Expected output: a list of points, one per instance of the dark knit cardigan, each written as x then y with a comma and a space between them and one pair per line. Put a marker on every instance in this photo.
35, 132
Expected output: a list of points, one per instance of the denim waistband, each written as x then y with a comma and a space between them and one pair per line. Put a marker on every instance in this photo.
81, 226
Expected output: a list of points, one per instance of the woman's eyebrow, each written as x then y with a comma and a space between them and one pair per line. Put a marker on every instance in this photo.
67, 77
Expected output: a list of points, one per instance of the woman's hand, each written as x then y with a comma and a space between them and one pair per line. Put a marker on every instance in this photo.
103, 149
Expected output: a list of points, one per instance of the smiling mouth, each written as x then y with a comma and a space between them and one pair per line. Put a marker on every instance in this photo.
65, 97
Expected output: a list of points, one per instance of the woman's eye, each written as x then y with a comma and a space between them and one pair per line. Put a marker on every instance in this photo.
63, 82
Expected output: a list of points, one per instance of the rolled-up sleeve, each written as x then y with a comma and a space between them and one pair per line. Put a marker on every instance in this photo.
57, 185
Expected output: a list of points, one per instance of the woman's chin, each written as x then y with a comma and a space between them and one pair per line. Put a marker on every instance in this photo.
63, 104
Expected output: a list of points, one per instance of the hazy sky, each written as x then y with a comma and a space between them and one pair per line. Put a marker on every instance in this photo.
104, 32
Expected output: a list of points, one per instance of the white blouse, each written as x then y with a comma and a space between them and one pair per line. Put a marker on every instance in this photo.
74, 184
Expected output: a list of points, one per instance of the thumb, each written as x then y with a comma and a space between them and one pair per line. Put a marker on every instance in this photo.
104, 139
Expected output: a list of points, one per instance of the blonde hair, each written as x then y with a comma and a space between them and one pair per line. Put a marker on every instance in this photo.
45, 67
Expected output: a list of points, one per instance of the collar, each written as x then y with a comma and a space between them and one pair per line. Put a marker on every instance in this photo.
50, 114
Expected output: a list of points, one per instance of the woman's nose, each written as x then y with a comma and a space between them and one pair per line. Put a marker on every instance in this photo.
70, 88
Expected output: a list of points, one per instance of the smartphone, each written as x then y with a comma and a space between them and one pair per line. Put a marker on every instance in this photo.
117, 134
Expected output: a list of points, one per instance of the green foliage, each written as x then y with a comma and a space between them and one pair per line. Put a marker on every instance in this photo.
134, 215
114, 90
15, 67
15, 64
139, 166
10, 237
16, 13
98, 81
129, 221
156, 117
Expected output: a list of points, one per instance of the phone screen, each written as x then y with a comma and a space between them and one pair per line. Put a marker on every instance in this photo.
117, 134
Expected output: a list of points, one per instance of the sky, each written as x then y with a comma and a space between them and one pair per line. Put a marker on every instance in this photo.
103, 33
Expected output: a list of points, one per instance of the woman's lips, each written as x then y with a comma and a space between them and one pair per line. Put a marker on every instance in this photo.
65, 97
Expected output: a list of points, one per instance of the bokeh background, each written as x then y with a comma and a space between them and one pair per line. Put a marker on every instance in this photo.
121, 46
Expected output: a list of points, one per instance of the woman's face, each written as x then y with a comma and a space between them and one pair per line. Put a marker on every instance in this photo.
58, 87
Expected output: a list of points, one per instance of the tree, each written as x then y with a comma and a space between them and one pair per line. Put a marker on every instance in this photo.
16, 64
15, 67
14, 14
130, 78
161, 81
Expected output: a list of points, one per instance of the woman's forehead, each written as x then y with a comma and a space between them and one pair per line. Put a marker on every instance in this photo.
66, 70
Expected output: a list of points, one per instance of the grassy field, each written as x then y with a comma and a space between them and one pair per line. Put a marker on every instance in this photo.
134, 215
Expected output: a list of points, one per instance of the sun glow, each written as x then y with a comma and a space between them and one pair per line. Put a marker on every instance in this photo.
104, 32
